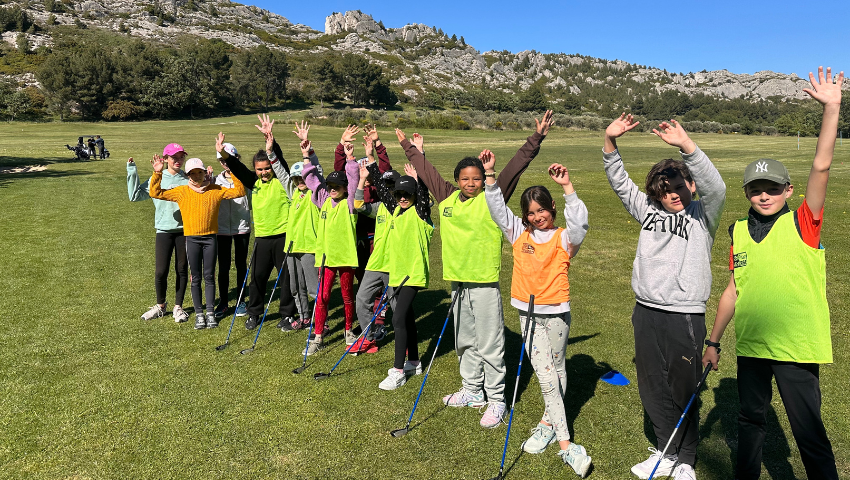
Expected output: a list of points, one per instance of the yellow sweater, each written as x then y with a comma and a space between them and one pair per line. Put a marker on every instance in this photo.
199, 210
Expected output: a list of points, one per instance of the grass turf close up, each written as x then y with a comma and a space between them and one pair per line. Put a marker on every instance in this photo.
91, 391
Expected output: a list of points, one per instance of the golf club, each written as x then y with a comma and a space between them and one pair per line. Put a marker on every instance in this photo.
672, 435
403, 431
312, 317
322, 375
501, 474
271, 297
238, 299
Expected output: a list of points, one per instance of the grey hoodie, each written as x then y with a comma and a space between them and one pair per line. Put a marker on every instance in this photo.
672, 267
234, 216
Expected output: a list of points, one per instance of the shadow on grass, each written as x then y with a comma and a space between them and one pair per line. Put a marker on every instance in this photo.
7, 178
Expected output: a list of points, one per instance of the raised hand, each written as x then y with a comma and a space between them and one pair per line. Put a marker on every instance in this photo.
371, 132
219, 143
559, 174
621, 125
400, 135
265, 126
545, 123
158, 163
306, 146
419, 142
826, 90
488, 158
348, 134
349, 150
410, 170
364, 173
673, 133
302, 130
368, 145
210, 173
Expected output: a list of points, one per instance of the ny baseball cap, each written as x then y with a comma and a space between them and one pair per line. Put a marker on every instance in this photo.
766, 169
229, 148
171, 149
406, 184
390, 176
337, 178
192, 164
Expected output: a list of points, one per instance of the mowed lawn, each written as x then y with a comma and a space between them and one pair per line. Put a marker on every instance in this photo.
90, 391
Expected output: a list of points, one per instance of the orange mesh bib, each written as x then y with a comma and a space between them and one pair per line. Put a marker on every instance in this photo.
541, 270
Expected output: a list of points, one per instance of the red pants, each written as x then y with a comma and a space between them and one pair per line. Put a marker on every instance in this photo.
346, 285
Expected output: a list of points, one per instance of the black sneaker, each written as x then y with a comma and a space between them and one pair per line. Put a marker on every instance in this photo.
288, 324
380, 333
221, 310
252, 322
200, 321
211, 320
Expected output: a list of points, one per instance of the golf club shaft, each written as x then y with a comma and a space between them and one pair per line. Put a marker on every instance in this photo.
377, 312
516, 386
241, 292
271, 296
315, 300
685, 412
433, 356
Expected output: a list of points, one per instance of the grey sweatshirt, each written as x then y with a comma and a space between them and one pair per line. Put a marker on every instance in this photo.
572, 237
234, 216
672, 267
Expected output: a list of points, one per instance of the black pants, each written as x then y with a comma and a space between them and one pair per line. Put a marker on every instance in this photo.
201, 253
404, 324
799, 387
166, 245
668, 353
269, 255
241, 243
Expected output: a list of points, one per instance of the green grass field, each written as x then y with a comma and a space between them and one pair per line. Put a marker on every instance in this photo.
89, 391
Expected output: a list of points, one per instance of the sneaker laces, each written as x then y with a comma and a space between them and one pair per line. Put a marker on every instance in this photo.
496, 406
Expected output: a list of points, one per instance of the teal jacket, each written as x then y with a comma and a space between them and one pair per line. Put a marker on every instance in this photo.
168, 218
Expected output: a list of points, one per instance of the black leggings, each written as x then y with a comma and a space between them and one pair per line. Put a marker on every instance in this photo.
201, 253
240, 243
268, 255
404, 324
166, 245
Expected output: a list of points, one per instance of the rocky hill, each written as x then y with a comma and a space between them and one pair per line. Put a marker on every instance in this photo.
417, 57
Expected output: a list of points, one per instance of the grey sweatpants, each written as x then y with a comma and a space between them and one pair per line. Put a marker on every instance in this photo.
480, 338
547, 348
370, 287
303, 280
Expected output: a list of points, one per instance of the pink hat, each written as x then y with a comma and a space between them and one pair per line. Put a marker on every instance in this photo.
171, 149
192, 164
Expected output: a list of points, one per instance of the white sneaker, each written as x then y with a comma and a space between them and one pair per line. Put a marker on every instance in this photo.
154, 312
665, 468
411, 369
684, 472
179, 314
313, 346
394, 380
576, 457
350, 337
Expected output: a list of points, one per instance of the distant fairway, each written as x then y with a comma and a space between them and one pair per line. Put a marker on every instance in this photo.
89, 391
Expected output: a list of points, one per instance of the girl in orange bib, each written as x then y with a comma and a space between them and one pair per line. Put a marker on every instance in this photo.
542, 254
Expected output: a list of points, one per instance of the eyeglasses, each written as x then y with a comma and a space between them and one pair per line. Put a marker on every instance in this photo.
400, 195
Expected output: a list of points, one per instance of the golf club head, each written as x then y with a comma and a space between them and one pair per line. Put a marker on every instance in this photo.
321, 376
221, 347
246, 351
400, 432
299, 369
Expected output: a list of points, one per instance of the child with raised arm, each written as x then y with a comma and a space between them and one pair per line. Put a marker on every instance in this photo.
170, 240
472, 260
777, 295
542, 256
671, 278
402, 245
335, 238
199, 204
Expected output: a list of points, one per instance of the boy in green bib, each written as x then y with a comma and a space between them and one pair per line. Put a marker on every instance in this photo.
777, 295
472, 259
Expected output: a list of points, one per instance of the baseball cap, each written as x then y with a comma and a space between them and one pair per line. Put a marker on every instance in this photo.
406, 184
337, 178
390, 176
171, 149
766, 169
192, 164
229, 148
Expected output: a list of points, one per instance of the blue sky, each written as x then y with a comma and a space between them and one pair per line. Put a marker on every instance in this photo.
742, 37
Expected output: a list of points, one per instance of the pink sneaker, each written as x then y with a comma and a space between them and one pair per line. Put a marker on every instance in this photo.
494, 414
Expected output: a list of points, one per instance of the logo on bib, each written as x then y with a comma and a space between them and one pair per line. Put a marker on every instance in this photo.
381, 219
761, 167
447, 212
324, 215
739, 260
528, 248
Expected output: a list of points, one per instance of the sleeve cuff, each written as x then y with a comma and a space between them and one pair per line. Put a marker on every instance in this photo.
690, 156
